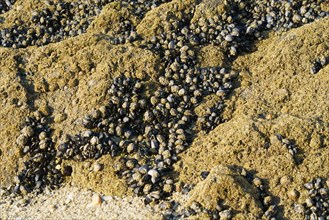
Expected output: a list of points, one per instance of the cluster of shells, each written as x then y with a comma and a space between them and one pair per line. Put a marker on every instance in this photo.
318, 64
269, 206
146, 132
221, 211
5, 5
61, 20
126, 33
212, 118
276, 15
52, 24
41, 168
236, 29
289, 144
316, 205
270, 209
147, 127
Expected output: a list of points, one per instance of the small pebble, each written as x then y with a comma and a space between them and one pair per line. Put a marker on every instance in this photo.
257, 182
225, 215
293, 194
87, 165
97, 167
228, 38
299, 208
52, 208
285, 180
204, 174
96, 201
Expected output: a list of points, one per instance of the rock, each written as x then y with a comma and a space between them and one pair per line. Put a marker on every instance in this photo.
285, 180
225, 183
60, 117
97, 167
52, 208
211, 55
148, 27
293, 194
225, 215
209, 8
228, 38
96, 201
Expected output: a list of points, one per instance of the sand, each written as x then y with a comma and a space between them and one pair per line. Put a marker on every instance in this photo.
75, 203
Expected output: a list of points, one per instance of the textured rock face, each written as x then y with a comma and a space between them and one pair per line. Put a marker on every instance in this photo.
278, 95
225, 184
